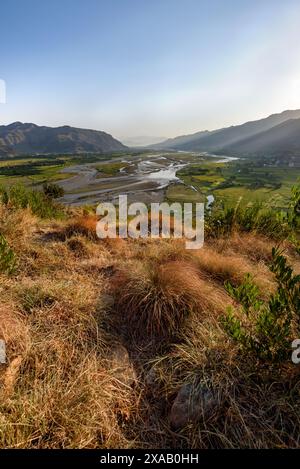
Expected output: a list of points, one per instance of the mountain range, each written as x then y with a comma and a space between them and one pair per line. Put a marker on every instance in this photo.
278, 134
19, 139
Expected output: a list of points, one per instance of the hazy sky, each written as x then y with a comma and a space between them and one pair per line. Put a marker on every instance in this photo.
148, 67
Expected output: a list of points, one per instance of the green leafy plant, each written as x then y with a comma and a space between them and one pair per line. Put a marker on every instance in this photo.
271, 223
7, 257
265, 328
295, 205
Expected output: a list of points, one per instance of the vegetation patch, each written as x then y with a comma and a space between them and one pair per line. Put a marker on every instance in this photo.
8, 260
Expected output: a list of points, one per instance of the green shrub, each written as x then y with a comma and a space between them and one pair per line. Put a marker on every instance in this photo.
4, 197
219, 223
267, 328
275, 224
54, 191
7, 257
295, 207
19, 196
271, 223
247, 218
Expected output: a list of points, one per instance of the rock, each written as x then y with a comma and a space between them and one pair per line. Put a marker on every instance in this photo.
152, 382
122, 366
151, 378
191, 403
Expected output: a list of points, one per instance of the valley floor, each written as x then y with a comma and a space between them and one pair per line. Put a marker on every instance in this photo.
157, 176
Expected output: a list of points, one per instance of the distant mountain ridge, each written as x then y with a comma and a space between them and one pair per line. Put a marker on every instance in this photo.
19, 138
249, 138
281, 139
276, 135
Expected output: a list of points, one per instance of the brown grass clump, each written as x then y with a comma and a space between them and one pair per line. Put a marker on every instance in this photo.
117, 246
161, 250
256, 248
77, 247
58, 376
13, 330
156, 298
72, 400
84, 225
233, 268
18, 227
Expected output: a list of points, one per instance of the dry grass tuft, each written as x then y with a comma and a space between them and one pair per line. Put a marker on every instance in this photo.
222, 268
256, 248
157, 298
82, 225
18, 226
13, 330
77, 247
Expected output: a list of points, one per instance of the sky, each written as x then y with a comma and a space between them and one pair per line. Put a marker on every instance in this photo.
148, 67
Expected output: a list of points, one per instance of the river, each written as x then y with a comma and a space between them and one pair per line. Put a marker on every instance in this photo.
146, 175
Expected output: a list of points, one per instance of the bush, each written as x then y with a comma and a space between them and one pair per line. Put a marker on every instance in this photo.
275, 225
247, 218
268, 326
53, 191
20, 197
219, 223
295, 206
7, 257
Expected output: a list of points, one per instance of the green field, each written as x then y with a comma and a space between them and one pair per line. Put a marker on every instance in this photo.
241, 182
110, 169
31, 170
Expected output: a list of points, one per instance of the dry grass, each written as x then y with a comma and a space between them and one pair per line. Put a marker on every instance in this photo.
254, 247
74, 298
232, 268
156, 298
82, 225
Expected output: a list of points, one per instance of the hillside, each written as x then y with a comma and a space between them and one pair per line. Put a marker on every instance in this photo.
19, 138
279, 140
124, 344
177, 142
5, 151
223, 139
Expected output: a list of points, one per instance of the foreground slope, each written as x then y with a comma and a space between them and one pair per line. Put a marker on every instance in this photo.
120, 343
